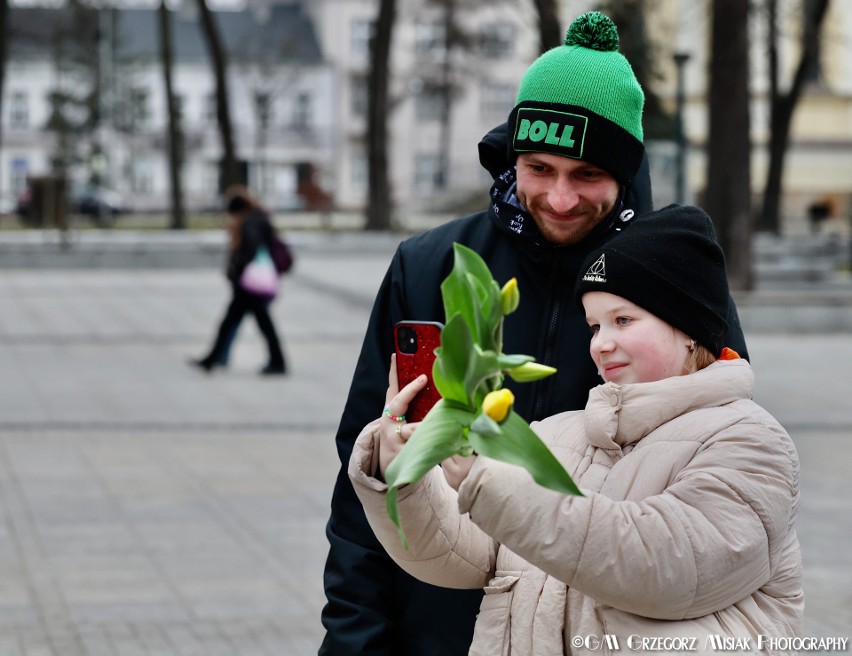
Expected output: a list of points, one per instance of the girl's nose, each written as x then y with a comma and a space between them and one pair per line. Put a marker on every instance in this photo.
601, 343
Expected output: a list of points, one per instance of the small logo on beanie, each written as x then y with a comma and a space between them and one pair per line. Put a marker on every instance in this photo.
597, 272
549, 131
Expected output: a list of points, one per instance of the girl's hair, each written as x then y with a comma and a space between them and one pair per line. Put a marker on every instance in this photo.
698, 358
238, 199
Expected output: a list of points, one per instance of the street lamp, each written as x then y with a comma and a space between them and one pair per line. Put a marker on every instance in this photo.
680, 59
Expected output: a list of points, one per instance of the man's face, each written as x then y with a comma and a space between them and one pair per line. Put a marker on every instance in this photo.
566, 197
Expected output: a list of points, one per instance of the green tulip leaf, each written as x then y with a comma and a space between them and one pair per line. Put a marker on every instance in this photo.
453, 361
485, 425
439, 436
508, 362
471, 291
519, 445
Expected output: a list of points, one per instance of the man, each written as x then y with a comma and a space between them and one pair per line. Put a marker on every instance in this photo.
569, 175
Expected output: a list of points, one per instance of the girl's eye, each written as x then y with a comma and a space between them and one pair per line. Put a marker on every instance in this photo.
594, 328
622, 321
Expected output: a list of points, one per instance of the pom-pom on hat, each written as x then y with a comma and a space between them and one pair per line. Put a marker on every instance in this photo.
669, 263
582, 100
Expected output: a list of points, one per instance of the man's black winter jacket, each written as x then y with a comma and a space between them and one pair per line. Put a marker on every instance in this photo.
373, 606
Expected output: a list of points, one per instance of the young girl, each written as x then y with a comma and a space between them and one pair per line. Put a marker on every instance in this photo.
685, 539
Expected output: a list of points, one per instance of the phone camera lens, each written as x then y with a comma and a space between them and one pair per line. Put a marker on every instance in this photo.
407, 340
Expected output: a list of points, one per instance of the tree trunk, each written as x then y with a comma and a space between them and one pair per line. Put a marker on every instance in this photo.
4, 40
379, 204
444, 141
728, 196
178, 216
549, 32
230, 173
782, 106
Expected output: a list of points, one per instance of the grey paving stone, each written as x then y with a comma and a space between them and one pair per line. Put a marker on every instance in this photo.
146, 508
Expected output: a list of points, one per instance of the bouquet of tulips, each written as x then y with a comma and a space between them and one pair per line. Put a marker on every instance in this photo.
475, 414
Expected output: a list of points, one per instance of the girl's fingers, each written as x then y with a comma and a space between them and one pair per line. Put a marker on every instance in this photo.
393, 383
397, 400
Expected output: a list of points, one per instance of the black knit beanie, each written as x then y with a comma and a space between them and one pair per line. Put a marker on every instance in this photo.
669, 263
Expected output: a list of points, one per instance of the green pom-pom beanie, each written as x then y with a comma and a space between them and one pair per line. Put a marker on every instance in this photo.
582, 100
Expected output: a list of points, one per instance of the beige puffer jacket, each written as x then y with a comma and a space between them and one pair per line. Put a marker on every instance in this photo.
686, 530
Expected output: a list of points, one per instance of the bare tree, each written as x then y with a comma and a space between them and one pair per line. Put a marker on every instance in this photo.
728, 195
4, 40
451, 35
75, 99
549, 32
178, 215
643, 55
379, 203
782, 105
230, 170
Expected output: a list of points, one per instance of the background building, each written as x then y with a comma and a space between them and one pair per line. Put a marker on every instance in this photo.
282, 103
298, 85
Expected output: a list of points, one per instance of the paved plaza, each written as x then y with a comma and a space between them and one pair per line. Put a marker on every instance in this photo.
149, 509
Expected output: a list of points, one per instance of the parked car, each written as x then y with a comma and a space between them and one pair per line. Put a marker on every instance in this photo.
100, 204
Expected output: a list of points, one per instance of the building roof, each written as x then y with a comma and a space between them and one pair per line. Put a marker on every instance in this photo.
280, 34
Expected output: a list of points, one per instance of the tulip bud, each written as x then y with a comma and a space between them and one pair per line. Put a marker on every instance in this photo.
510, 296
498, 403
530, 371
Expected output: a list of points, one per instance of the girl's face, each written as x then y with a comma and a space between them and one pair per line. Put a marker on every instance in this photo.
631, 345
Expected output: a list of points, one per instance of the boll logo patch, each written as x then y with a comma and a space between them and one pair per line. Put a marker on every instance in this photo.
597, 272
549, 131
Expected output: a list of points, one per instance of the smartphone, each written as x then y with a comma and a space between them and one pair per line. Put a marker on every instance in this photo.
415, 343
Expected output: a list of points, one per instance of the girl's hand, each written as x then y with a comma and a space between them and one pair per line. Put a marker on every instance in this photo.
395, 431
456, 469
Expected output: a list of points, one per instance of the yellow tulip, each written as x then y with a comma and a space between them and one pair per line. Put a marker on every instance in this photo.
510, 296
498, 403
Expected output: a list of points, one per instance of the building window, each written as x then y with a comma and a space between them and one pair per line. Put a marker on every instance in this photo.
496, 100
140, 104
210, 109
180, 108
142, 176
210, 177
360, 32
302, 110
429, 104
427, 172
497, 40
430, 40
359, 96
19, 111
359, 171
19, 174
263, 110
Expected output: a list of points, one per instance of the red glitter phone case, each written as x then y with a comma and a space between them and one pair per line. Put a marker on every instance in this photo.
415, 343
